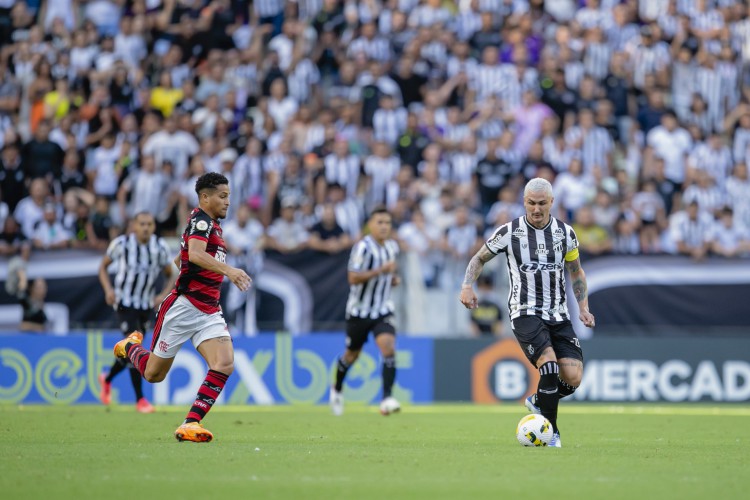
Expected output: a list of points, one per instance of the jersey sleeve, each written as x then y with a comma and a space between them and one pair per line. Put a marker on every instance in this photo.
164, 257
114, 250
499, 240
571, 244
200, 226
358, 258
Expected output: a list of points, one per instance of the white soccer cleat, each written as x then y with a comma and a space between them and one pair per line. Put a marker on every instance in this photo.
389, 405
336, 400
531, 405
555, 441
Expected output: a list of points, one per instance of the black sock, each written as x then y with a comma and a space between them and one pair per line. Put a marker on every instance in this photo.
547, 398
135, 378
389, 375
563, 389
341, 368
119, 365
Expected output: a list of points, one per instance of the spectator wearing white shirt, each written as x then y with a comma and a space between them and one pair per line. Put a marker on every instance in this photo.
130, 45
690, 231
673, 144
285, 234
713, 157
30, 209
173, 145
102, 169
281, 107
206, 118
145, 187
649, 207
49, 233
728, 239
572, 189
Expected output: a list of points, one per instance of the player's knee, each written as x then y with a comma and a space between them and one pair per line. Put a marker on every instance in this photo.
154, 377
574, 379
225, 367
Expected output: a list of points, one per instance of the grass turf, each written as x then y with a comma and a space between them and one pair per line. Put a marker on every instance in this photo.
439, 451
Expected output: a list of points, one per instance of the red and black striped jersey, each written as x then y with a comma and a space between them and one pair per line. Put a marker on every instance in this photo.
201, 286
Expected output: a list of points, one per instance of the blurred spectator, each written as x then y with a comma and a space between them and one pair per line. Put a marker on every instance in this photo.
727, 239
31, 296
690, 231
326, 235
42, 157
30, 210
486, 318
49, 233
593, 239
649, 208
12, 240
286, 235
12, 176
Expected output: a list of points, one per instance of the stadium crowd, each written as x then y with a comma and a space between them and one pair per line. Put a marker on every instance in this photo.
319, 110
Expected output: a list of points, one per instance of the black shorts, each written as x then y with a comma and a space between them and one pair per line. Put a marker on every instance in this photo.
534, 334
357, 330
134, 319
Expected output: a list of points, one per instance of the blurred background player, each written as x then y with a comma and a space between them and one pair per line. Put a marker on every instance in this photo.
191, 310
537, 247
139, 257
371, 274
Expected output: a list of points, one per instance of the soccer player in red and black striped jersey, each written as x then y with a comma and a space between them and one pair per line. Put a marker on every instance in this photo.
539, 248
191, 311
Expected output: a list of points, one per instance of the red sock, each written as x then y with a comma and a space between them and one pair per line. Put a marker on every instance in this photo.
138, 355
207, 394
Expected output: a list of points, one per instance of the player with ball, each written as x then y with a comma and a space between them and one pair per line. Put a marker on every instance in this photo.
539, 249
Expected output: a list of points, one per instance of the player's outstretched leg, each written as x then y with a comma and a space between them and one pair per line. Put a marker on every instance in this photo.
192, 429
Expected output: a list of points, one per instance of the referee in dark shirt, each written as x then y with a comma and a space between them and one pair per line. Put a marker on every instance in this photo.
140, 257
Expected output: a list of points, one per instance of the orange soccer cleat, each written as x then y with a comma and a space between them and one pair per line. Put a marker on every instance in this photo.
135, 337
106, 393
143, 406
193, 431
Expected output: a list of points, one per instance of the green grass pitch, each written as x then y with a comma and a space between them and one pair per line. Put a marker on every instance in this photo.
426, 452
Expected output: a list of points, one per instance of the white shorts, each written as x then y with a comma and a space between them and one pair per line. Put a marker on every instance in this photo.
181, 321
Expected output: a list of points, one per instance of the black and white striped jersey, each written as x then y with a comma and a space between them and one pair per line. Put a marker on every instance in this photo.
371, 299
536, 266
137, 268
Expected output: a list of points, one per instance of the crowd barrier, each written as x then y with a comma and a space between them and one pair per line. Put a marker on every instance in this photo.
282, 369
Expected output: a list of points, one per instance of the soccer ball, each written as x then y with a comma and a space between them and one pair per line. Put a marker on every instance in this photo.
534, 430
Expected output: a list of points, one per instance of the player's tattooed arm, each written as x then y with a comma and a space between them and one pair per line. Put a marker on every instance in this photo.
580, 290
476, 264
578, 278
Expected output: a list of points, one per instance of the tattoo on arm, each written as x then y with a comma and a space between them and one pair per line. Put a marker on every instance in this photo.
574, 266
579, 289
476, 264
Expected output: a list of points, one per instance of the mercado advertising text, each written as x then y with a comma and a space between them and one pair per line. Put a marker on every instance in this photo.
272, 369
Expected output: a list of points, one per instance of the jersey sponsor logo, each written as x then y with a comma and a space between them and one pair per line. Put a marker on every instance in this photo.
541, 249
496, 240
221, 255
519, 232
532, 267
201, 225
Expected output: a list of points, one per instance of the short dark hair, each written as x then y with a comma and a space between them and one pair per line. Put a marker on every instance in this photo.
211, 180
379, 210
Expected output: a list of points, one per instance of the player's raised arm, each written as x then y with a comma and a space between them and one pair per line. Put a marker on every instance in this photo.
473, 270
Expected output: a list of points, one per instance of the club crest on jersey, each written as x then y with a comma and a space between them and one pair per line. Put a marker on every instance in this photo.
201, 225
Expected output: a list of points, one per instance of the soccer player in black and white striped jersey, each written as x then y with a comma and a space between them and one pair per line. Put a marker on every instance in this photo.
140, 257
372, 273
539, 248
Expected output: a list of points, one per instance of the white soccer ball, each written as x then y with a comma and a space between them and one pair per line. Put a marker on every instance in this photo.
534, 430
